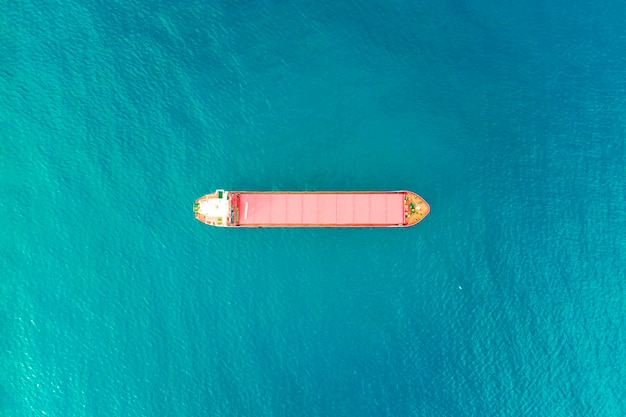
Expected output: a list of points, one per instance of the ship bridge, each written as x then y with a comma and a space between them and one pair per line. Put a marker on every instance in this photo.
213, 208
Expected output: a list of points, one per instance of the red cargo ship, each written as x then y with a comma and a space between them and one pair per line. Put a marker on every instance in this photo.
311, 209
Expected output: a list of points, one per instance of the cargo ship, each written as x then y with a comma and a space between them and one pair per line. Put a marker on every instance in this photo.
311, 209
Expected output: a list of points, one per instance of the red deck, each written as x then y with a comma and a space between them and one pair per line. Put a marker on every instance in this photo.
321, 209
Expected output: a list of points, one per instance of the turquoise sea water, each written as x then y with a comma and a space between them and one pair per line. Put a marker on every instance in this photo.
507, 300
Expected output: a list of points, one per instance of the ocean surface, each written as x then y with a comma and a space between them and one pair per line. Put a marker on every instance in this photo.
507, 300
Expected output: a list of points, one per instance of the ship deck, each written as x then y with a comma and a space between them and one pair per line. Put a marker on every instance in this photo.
321, 209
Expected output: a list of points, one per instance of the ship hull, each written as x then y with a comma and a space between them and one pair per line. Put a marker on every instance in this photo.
311, 209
